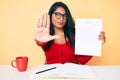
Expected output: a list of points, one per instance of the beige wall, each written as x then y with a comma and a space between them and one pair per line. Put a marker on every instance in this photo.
18, 19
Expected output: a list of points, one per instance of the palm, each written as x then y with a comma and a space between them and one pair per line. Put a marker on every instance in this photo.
42, 32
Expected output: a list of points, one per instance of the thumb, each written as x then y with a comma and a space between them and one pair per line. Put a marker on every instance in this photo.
55, 37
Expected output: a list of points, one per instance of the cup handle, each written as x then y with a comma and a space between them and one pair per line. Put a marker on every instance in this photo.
12, 63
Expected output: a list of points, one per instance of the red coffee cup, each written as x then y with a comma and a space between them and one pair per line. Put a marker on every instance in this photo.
20, 63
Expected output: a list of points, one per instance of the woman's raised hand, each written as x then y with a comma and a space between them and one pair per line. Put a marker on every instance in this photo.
42, 31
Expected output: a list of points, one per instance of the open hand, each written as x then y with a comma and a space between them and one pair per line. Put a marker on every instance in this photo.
42, 31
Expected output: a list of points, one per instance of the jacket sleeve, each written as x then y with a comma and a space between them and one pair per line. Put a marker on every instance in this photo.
83, 59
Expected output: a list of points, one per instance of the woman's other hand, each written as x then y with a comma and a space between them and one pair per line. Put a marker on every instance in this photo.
101, 37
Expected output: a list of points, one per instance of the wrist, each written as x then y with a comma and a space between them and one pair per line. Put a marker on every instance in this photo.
38, 41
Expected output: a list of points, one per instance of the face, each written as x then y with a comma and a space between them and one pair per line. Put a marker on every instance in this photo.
59, 18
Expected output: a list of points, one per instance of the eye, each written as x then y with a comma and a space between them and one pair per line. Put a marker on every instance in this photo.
57, 14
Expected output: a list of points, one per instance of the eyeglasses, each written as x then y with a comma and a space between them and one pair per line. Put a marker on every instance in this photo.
59, 15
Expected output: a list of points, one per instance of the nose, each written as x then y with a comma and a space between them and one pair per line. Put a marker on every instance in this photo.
62, 18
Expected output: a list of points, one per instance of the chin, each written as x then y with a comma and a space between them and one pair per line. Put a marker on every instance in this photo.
59, 26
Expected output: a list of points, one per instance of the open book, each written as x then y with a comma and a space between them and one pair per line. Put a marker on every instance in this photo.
67, 70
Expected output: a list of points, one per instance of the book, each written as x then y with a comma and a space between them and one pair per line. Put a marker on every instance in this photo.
67, 70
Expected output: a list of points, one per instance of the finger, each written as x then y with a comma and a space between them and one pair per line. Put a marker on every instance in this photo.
103, 33
48, 22
44, 19
39, 29
101, 38
40, 22
54, 37
100, 35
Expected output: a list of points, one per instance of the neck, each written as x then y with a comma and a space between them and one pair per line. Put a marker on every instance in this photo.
59, 31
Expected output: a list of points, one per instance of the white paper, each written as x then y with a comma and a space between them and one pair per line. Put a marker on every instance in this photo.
86, 40
67, 70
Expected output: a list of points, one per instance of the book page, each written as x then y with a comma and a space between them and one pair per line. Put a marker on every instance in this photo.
67, 70
86, 39
78, 71
52, 72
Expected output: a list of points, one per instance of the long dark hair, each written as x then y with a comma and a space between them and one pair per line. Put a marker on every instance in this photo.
69, 28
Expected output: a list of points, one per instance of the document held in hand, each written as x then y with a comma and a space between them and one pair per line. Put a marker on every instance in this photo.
67, 70
86, 39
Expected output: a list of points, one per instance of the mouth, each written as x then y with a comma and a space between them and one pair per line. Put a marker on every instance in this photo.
60, 23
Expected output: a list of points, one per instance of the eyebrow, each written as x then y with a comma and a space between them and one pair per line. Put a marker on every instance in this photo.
60, 13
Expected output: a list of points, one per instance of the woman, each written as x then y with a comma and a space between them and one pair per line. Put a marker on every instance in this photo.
55, 33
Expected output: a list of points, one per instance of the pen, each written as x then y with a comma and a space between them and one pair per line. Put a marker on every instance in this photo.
45, 70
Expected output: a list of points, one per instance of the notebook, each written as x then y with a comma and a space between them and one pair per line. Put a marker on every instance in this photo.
67, 70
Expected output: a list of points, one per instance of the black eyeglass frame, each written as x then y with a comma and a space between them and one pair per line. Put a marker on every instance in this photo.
58, 15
